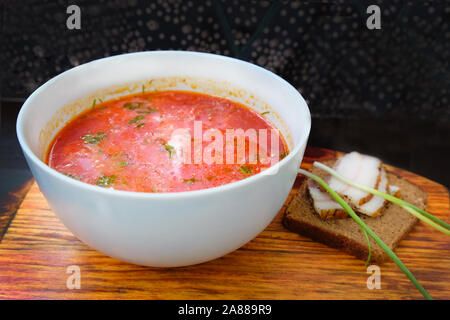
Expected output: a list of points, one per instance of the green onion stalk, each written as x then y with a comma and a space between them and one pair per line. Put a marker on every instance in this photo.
369, 231
426, 217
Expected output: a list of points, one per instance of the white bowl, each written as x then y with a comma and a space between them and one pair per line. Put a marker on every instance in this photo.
164, 229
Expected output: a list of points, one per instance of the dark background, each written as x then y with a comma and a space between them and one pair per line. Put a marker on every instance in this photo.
382, 92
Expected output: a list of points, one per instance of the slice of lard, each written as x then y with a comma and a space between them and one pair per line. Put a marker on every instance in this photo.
324, 204
375, 205
358, 168
394, 190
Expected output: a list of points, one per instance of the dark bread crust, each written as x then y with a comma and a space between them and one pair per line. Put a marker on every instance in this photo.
392, 225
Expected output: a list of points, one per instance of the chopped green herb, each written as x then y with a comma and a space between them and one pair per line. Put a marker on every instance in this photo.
143, 89
140, 125
136, 119
71, 175
147, 111
209, 178
123, 164
102, 108
283, 155
245, 169
93, 104
93, 138
105, 181
150, 85
132, 105
190, 181
265, 112
170, 149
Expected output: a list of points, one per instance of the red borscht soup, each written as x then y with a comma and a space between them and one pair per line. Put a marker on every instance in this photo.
166, 141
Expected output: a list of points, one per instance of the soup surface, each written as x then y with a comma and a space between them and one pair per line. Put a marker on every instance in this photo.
131, 144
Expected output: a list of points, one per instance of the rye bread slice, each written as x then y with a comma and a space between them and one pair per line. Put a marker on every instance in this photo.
392, 225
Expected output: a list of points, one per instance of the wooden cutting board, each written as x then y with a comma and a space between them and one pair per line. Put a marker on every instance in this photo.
37, 249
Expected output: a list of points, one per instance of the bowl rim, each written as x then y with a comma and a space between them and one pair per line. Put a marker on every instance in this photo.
159, 195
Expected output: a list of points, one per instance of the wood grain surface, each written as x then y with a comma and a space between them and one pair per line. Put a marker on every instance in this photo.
9, 204
37, 249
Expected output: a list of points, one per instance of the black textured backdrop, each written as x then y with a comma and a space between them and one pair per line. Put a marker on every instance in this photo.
384, 92
324, 49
